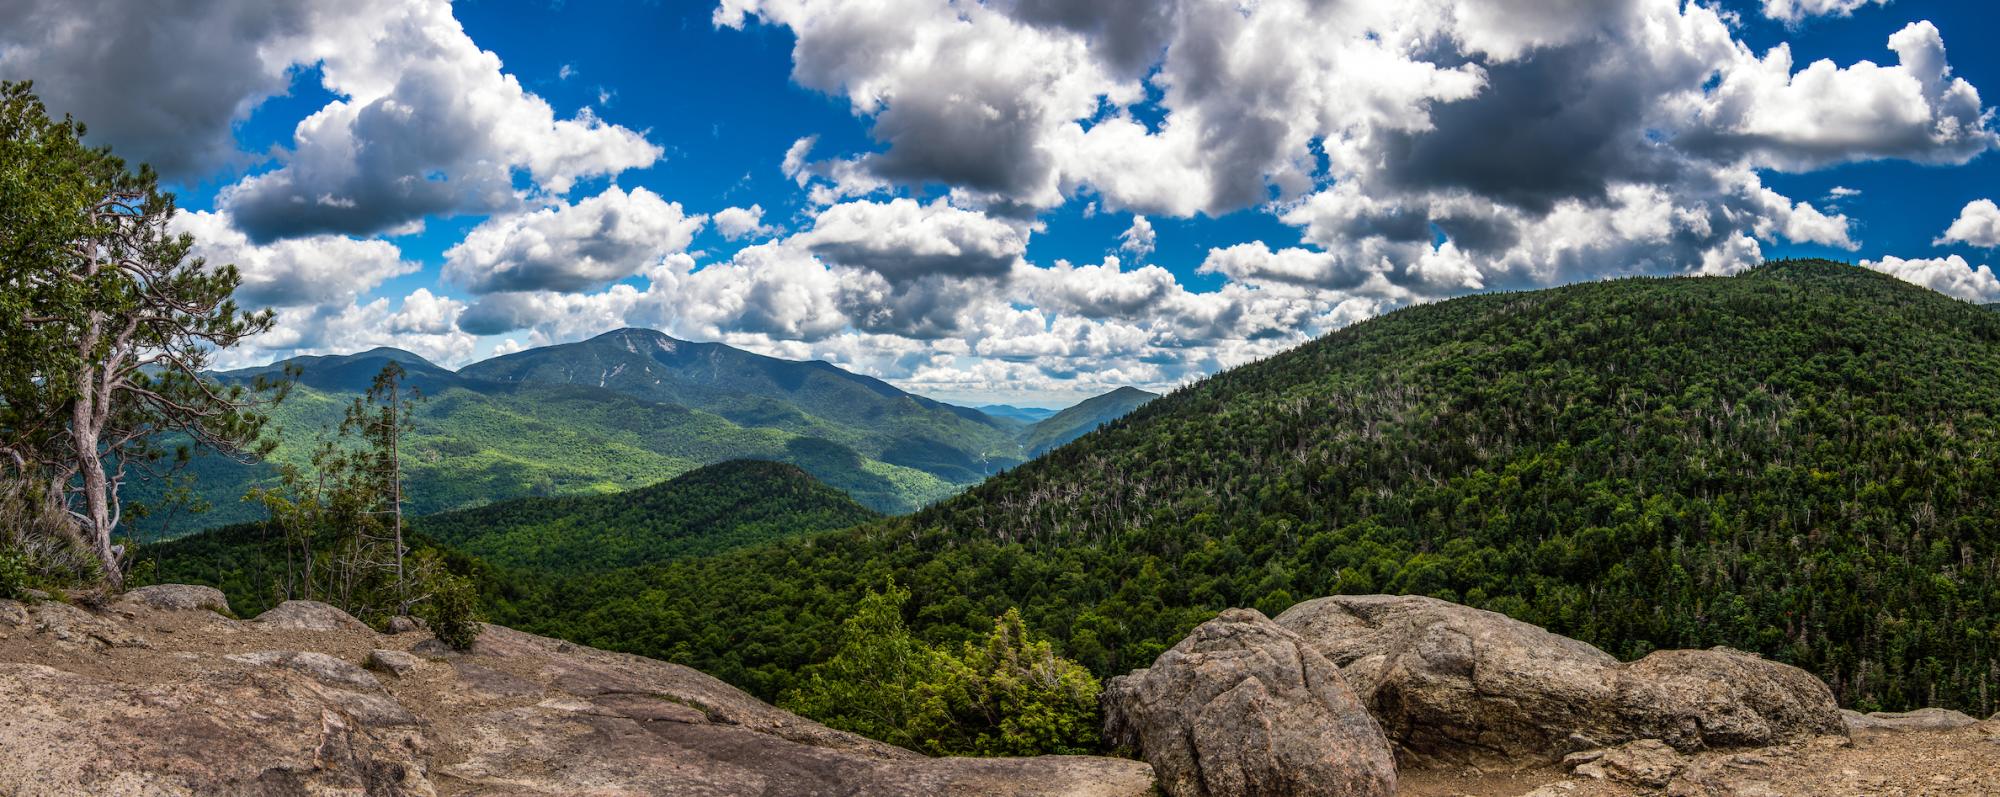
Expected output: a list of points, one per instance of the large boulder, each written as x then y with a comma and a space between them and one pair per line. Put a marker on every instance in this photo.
1443, 679
176, 597
308, 616
1244, 707
1458, 684
1720, 697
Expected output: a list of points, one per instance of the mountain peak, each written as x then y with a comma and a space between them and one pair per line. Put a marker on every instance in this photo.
390, 353
637, 339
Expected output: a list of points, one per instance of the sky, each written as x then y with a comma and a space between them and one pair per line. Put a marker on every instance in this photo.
1020, 201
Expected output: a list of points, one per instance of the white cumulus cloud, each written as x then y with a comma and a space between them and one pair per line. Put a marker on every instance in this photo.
598, 240
1795, 11
1978, 224
425, 122
315, 270
737, 223
1951, 276
1138, 239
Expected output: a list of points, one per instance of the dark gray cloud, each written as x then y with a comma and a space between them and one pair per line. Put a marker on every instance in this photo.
426, 122
1561, 123
1130, 35
927, 308
161, 82
496, 313
422, 150
978, 133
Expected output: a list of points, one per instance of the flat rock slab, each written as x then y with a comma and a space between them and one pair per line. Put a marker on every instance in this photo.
279, 707
564, 747
318, 666
496, 683
69, 734
1923, 719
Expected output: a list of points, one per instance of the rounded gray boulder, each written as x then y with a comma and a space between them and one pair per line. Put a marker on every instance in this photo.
1459, 684
1244, 707
308, 616
177, 597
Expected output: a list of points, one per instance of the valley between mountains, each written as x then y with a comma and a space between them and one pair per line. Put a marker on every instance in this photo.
630, 408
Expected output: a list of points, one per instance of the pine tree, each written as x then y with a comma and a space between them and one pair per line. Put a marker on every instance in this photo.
108, 325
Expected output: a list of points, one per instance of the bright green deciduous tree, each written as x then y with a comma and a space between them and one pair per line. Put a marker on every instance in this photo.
1012, 696
873, 684
1009, 695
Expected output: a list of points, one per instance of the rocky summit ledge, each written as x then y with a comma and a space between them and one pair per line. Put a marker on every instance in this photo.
163, 693
160, 694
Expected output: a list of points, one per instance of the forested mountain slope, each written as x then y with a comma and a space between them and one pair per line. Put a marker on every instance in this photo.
1800, 461
1083, 417
352, 373
526, 541
711, 509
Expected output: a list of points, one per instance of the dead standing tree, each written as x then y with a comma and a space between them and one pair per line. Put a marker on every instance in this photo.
381, 417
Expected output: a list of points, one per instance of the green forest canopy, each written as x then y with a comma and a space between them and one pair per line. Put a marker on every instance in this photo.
705, 511
1799, 461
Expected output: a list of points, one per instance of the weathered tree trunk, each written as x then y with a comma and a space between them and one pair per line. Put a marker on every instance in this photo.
396, 488
96, 488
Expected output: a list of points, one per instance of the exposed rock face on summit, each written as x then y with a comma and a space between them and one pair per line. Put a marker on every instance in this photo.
308, 616
1242, 708
149, 699
177, 596
1453, 683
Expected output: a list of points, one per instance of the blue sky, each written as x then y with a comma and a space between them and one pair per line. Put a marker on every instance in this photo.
951, 192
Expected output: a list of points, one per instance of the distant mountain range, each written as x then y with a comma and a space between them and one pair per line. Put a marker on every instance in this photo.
631, 408
1010, 412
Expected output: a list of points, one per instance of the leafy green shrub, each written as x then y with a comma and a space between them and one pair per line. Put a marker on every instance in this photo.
1010, 695
452, 606
870, 685
13, 573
